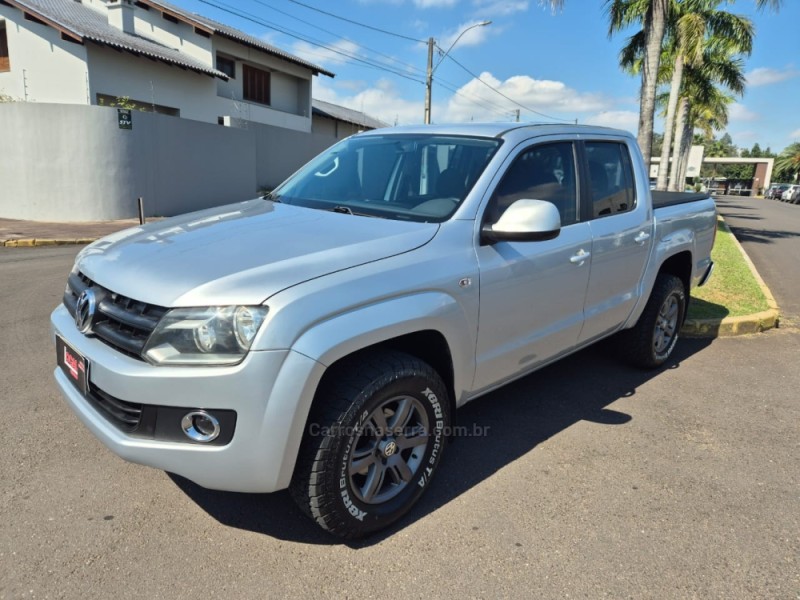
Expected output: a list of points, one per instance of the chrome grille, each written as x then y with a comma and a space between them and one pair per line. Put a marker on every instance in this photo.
121, 322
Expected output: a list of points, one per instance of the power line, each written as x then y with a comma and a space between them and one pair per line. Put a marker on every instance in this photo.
335, 16
393, 59
254, 19
494, 89
365, 62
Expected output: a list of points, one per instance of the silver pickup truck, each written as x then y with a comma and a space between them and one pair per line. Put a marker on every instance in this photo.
321, 338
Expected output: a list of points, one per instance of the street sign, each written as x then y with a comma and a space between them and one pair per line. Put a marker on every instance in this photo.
125, 119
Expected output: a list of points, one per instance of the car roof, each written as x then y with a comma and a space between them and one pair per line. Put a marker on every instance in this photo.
499, 130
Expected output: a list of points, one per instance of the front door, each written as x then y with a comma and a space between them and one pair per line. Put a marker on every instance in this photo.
532, 293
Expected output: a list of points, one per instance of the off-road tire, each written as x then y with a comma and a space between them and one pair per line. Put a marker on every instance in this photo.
645, 345
341, 429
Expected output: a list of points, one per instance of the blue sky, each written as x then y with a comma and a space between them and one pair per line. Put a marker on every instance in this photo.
562, 65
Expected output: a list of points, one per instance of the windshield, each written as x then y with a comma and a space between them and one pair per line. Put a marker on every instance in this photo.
418, 177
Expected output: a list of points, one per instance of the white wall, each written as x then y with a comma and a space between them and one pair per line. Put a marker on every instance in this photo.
181, 36
73, 163
123, 74
44, 68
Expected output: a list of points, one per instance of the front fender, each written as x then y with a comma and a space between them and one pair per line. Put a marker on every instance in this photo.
343, 334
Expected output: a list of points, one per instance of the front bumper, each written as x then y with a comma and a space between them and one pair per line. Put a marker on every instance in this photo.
271, 392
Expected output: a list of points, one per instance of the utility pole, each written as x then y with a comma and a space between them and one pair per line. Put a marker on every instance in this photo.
431, 68
429, 81
517, 115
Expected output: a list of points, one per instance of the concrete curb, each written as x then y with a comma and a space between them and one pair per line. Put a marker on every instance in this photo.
30, 242
730, 326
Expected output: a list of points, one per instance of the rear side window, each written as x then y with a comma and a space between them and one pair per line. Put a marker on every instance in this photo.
610, 178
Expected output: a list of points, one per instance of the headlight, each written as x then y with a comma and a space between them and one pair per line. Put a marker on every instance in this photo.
214, 335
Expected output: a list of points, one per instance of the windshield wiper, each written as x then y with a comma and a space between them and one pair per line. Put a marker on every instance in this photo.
345, 210
271, 196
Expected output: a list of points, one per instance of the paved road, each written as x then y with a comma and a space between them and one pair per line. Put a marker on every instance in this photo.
770, 233
594, 481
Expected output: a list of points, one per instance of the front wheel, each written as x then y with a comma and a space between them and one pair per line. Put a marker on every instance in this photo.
650, 342
373, 441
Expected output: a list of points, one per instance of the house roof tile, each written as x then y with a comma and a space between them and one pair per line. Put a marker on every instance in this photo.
334, 111
84, 23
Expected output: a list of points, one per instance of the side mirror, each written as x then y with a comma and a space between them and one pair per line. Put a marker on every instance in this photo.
524, 221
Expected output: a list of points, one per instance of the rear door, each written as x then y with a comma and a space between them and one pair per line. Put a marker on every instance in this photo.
621, 227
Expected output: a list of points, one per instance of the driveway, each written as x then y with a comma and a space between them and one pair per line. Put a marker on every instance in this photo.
594, 480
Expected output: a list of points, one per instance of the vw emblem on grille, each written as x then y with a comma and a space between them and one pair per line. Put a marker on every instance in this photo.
84, 311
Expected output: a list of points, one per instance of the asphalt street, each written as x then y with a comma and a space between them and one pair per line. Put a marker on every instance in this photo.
594, 481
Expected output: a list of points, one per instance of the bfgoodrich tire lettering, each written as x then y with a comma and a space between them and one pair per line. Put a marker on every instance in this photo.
373, 442
651, 341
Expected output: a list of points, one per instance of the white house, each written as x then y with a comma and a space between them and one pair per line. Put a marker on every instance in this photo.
153, 56
69, 156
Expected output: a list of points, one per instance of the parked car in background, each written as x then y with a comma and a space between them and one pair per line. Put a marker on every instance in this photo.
792, 194
777, 194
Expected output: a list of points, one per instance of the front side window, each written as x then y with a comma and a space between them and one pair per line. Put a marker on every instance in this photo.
610, 178
543, 172
411, 177
5, 64
256, 85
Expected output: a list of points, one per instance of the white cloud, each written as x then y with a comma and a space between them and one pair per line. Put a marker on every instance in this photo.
381, 101
768, 76
795, 134
476, 102
739, 112
553, 98
323, 56
620, 119
435, 3
473, 37
499, 8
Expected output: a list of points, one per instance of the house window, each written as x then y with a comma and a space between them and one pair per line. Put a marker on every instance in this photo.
125, 102
227, 66
256, 85
5, 65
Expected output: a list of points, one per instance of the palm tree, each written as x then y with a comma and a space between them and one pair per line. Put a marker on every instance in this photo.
788, 163
694, 25
720, 65
652, 15
708, 111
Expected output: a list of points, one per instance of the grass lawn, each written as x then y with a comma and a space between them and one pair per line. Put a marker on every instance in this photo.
732, 290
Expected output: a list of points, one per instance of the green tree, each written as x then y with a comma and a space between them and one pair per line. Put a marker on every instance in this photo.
787, 165
697, 26
651, 16
720, 67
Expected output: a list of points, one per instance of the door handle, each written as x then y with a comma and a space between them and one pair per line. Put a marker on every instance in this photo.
642, 237
580, 257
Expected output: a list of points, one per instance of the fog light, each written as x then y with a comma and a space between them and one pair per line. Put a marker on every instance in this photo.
200, 426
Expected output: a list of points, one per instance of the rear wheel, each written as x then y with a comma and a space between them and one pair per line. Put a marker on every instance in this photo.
372, 444
651, 341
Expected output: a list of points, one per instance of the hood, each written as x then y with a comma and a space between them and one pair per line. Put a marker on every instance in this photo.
241, 253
